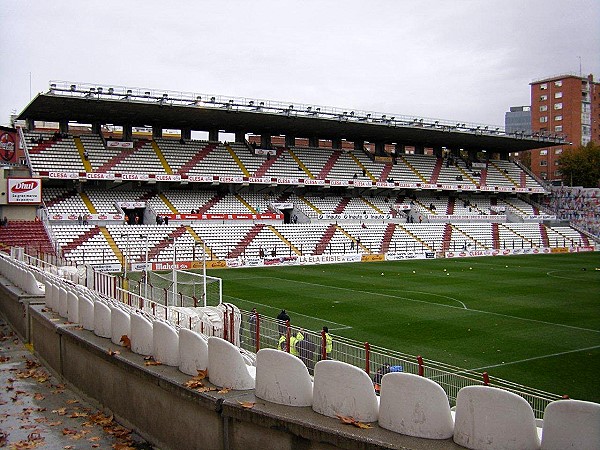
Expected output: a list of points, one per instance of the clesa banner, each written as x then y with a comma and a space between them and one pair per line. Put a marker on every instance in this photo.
25, 191
8, 146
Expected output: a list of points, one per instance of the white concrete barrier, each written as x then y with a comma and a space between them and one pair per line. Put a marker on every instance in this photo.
226, 367
571, 424
119, 324
102, 317
141, 335
165, 343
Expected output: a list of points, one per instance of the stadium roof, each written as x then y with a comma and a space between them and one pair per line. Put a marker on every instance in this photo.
84, 103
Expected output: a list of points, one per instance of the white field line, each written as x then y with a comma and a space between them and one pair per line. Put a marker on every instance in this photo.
536, 357
428, 303
339, 326
568, 278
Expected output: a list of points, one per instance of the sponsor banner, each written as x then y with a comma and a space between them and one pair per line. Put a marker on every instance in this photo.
74, 217
339, 182
140, 266
131, 205
460, 187
362, 183
285, 180
559, 250
310, 181
478, 165
25, 191
585, 249
331, 216
99, 176
373, 257
263, 216
260, 180
8, 146
135, 176
199, 179
116, 267
119, 144
286, 205
407, 185
167, 177
230, 179
496, 218
322, 259
402, 206
383, 159
498, 209
400, 256
385, 184
264, 151
179, 265
213, 264
538, 217
64, 175
501, 252
281, 261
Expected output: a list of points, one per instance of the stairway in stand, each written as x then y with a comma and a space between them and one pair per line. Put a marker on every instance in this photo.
329, 165
322, 245
436, 171
88, 234
339, 209
199, 156
154, 251
450, 207
544, 235
243, 244
387, 237
496, 236
447, 237
209, 204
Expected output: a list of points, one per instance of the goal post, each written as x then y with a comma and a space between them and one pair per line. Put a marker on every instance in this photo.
183, 287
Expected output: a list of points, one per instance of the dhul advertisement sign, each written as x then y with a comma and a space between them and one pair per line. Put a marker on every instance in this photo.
25, 191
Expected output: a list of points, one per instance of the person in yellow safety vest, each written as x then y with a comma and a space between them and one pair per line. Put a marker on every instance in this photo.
293, 341
281, 344
328, 342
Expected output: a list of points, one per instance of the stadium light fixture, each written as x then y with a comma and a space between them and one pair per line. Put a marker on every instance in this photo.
53, 86
99, 90
147, 94
111, 91
212, 99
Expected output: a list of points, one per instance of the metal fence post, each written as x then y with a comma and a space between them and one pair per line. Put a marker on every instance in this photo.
421, 366
367, 358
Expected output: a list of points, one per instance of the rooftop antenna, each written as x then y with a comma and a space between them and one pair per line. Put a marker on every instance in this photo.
580, 72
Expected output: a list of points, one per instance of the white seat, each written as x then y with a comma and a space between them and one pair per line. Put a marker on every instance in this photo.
86, 313
63, 306
571, 424
226, 367
193, 352
282, 378
119, 324
72, 307
415, 406
165, 343
142, 332
345, 390
491, 418
102, 319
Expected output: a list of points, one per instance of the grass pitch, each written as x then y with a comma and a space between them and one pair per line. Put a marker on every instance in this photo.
534, 320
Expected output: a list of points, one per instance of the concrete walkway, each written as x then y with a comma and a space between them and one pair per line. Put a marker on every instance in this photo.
37, 411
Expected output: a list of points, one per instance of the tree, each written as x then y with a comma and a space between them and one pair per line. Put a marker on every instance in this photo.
581, 166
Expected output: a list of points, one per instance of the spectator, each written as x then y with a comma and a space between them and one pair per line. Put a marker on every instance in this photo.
294, 340
282, 317
85, 218
166, 220
86, 155
379, 375
80, 219
328, 342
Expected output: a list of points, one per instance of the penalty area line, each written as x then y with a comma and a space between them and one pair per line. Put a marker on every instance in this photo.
536, 358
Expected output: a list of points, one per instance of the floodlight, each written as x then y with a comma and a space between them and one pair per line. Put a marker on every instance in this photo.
99, 90
111, 90
73, 87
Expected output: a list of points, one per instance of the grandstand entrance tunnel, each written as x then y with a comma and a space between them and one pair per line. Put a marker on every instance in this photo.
132, 213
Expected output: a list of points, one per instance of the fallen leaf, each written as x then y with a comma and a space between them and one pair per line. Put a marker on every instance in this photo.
38, 396
60, 411
345, 419
78, 414
70, 402
206, 389
68, 447
150, 361
126, 341
362, 425
67, 431
3, 438
94, 439
4, 359
202, 374
113, 352
247, 405
224, 390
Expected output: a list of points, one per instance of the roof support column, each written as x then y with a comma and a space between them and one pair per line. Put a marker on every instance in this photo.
313, 142
290, 141
156, 131
240, 137
97, 128
419, 149
265, 141
437, 151
213, 135
400, 149
503, 156
472, 154
127, 133
336, 143
359, 145
186, 133
380, 148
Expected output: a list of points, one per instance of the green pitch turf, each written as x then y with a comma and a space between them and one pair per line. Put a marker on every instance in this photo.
533, 320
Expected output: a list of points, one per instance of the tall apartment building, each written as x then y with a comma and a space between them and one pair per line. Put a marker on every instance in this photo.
518, 120
564, 105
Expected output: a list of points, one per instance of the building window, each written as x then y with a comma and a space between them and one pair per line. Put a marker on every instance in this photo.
543, 108
558, 95
543, 98
558, 106
557, 163
543, 152
558, 128
543, 119
543, 162
558, 151
558, 118
544, 175
544, 86
558, 83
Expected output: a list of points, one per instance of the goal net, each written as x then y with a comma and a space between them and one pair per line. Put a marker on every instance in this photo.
184, 288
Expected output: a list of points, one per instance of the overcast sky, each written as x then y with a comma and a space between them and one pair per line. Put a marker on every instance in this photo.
460, 60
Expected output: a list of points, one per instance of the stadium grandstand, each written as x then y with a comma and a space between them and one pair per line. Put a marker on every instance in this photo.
110, 181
